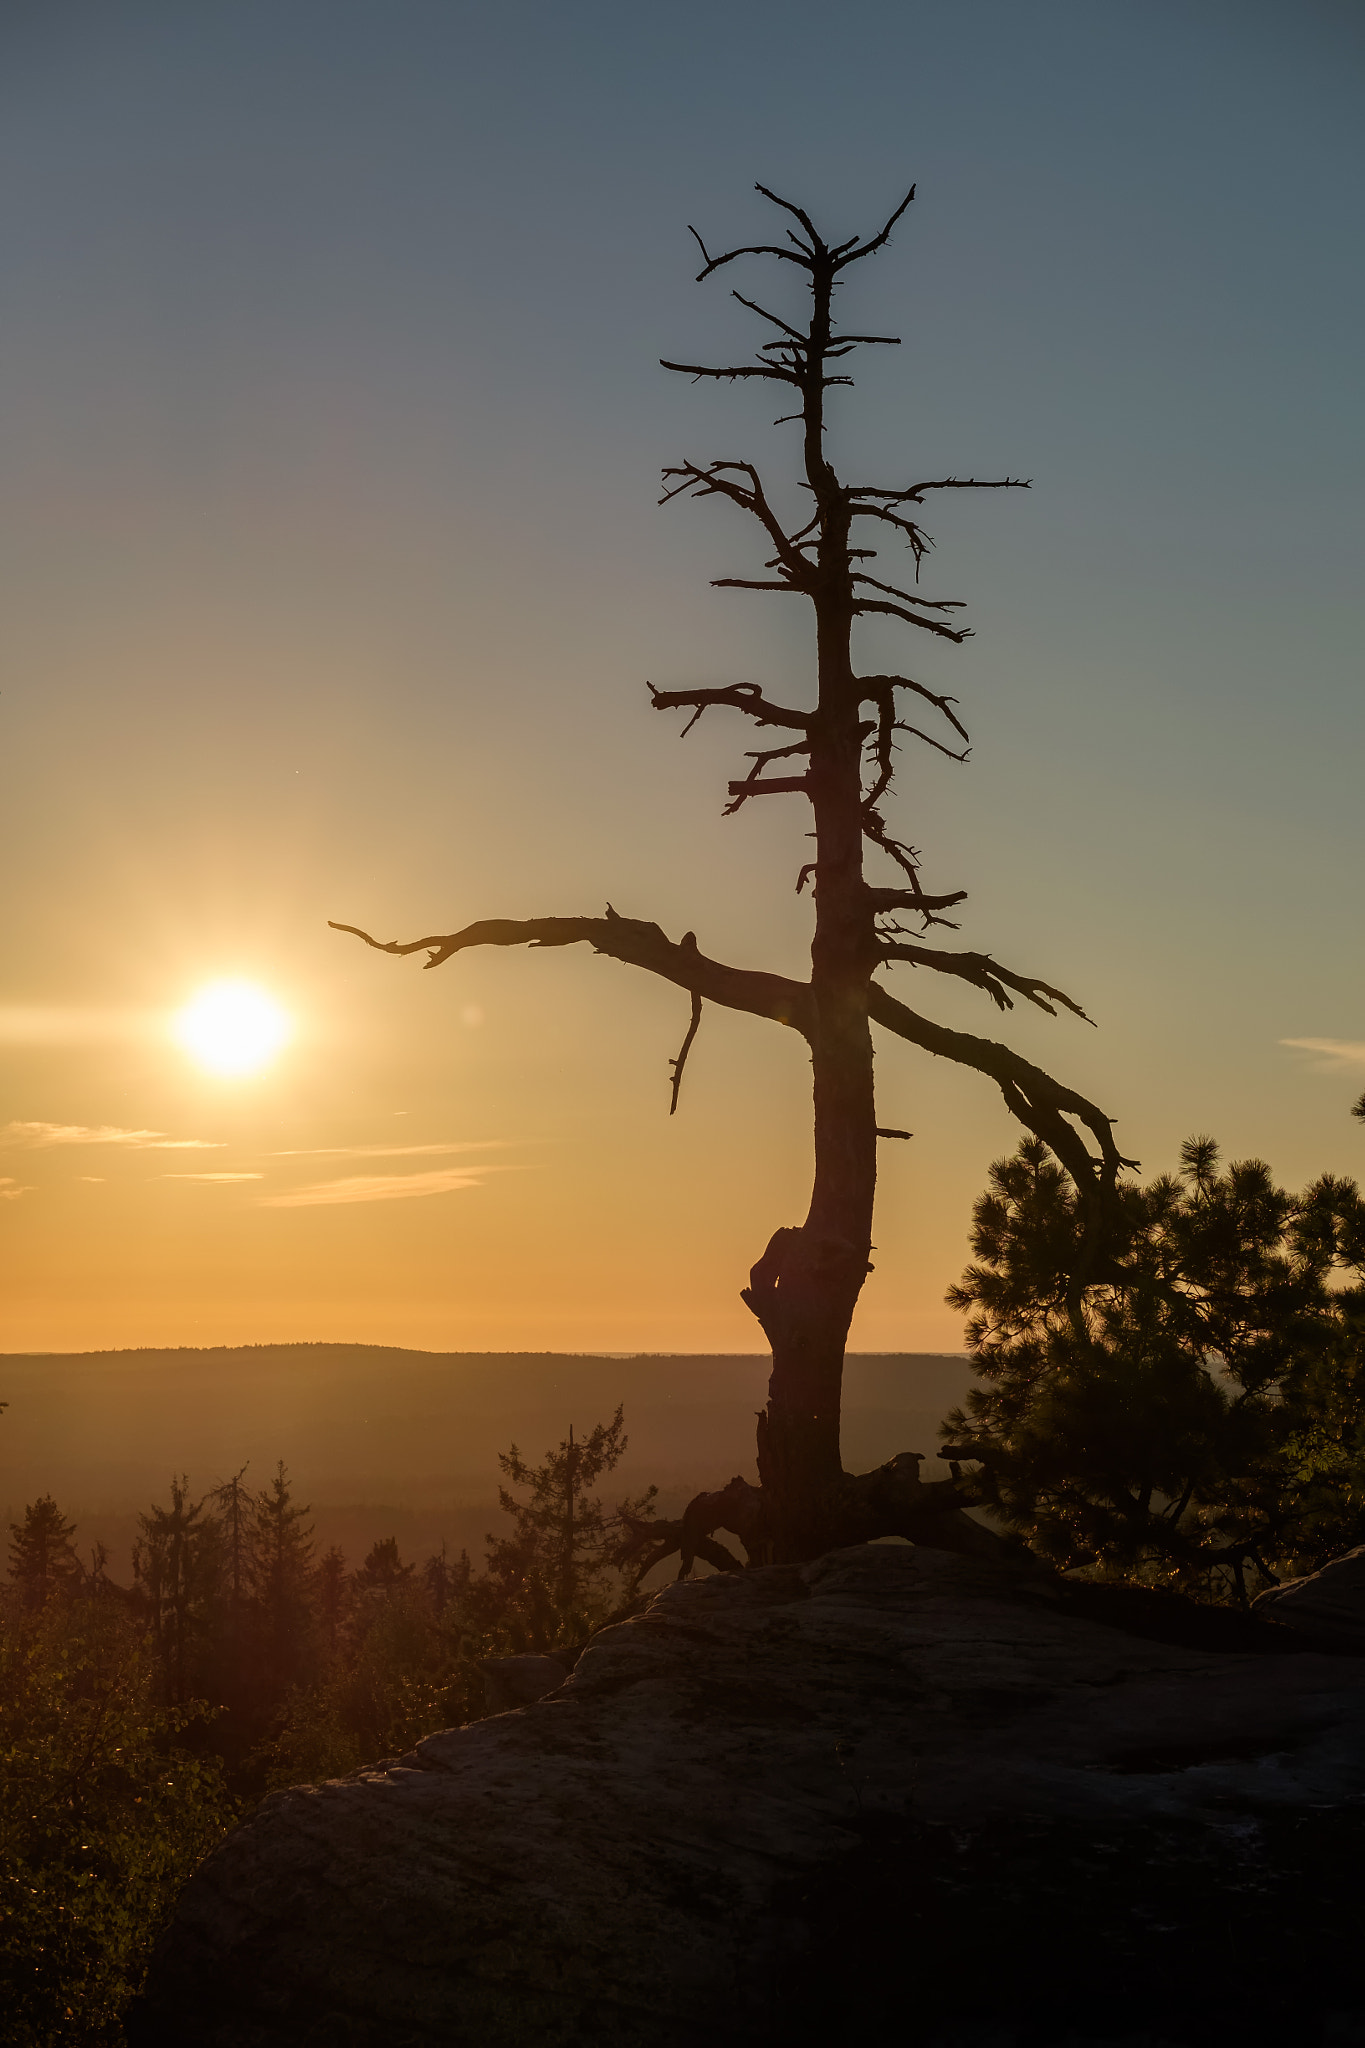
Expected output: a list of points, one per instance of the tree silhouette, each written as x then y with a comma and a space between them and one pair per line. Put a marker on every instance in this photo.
838, 755
177, 1564
42, 1560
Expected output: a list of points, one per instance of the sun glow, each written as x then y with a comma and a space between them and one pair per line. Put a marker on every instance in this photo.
232, 1027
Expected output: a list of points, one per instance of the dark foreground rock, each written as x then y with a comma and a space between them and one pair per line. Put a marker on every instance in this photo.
895, 1794
1329, 1605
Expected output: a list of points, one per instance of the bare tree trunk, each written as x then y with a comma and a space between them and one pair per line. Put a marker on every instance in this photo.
805, 1287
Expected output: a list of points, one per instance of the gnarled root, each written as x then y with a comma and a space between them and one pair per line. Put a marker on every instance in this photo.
892, 1500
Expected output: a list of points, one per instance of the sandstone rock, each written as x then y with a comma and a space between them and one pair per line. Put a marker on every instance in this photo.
1328, 1605
810, 1803
518, 1681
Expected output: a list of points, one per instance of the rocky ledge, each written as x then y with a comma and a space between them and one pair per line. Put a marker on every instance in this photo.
894, 1792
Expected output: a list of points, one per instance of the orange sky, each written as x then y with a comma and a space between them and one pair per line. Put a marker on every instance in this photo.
331, 575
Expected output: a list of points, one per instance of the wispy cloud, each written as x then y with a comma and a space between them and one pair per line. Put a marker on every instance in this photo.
35, 1137
212, 1176
388, 1151
1334, 1054
375, 1187
10, 1190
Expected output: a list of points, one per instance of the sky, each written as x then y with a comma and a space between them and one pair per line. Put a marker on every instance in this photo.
331, 573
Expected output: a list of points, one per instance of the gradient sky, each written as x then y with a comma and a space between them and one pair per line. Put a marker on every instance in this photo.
330, 574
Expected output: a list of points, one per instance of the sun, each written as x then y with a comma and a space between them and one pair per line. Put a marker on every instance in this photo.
232, 1027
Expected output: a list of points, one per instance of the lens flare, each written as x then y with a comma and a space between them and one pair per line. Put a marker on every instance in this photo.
232, 1027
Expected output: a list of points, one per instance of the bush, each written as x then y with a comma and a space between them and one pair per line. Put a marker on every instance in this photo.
103, 1816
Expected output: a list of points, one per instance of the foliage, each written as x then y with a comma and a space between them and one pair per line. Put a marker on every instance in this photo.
103, 1814
401, 1652
1192, 1404
554, 1578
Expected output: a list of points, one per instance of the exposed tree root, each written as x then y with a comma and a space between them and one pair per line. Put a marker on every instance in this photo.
892, 1500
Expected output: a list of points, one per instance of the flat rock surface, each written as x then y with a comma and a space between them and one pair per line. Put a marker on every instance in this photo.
795, 1792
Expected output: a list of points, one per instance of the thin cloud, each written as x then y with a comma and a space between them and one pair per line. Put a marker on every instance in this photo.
10, 1190
212, 1176
387, 1151
374, 1187
1334, 1054
36, 1137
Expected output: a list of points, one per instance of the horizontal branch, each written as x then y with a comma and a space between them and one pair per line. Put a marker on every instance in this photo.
930, 604
768, 370
915, 493
745, 697
776, 785
863, 605
988, 974
633, 941
912, 899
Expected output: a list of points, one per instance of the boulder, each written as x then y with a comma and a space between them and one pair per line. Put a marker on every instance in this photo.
1328, 1605
518, 1681
893, 1792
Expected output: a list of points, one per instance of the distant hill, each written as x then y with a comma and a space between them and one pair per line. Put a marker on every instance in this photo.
407, 1438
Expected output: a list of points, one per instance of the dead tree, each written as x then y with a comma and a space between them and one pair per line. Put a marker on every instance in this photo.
839, 757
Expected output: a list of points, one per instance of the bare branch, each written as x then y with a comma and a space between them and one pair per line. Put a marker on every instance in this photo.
777, 785
917, 540
681, 1061
768, 370
746, 697
907, 859
817, 246
862, 605
714, 482
912, 899
636, 943
797, 336
1039, 1102
872, 688
930, 741
983, 972
776, 753
930, 604
754, 583
878, 241
914, 494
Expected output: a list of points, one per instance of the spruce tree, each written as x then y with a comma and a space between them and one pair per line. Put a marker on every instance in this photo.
42, 1559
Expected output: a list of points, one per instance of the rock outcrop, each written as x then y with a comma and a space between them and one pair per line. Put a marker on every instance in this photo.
895, 1791
1328, 1606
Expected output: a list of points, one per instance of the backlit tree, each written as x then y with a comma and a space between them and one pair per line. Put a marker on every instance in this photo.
837, 754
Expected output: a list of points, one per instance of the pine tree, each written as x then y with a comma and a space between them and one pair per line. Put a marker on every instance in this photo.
554, 1577
42, 1560
1198, 1405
